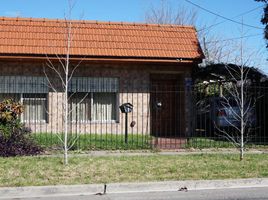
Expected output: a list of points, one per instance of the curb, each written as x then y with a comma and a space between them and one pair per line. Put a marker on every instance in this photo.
49, 191
91, 189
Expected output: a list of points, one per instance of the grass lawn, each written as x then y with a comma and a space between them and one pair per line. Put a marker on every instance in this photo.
23, 171
203, 143
117, 142
91, 141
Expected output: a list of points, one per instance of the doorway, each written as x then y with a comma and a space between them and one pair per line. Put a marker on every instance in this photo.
167, 106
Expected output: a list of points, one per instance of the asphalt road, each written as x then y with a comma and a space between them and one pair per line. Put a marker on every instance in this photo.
216, 194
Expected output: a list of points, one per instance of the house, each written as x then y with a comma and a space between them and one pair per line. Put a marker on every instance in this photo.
147, 65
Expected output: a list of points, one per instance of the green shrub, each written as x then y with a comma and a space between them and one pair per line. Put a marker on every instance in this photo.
14, 136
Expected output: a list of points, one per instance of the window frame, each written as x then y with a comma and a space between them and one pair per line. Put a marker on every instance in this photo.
69, 104
21, 98
91, 121
34, 98
20, 85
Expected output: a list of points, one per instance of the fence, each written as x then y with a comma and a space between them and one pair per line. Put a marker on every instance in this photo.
218, 115
163, 116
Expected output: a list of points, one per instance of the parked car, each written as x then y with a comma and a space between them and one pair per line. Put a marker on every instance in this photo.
218, 113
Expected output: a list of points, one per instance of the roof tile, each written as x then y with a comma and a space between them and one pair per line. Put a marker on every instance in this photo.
48, 37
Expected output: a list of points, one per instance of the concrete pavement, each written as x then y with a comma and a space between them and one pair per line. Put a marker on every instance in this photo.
161, 152
259, 193
117, 188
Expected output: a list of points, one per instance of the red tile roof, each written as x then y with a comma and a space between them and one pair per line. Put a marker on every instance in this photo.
29, 36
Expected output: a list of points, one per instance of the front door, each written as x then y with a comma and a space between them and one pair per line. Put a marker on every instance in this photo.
165, 107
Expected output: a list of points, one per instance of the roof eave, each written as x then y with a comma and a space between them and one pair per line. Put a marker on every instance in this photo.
102, 58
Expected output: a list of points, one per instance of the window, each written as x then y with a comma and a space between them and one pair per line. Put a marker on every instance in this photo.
35, 106
80, 107
104, 105
30, 91
93, 99
96, 107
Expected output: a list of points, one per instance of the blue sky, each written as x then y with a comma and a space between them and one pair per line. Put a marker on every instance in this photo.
134, 11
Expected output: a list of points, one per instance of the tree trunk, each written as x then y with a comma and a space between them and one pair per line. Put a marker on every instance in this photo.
66, 121
65, 156
66, 127
241, 151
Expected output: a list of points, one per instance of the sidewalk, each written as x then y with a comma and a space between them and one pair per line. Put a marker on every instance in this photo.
67, 190
161, 152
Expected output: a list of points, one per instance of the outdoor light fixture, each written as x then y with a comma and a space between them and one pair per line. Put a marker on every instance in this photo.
126, 108
158, 104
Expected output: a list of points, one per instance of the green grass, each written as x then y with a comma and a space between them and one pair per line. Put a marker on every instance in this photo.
24, 171
116, 142
203, 143
94, 141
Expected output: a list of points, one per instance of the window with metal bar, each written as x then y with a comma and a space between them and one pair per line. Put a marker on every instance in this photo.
93, 107
34, 105
31, 91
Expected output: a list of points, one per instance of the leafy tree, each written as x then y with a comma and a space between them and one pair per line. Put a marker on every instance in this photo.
264, 19
217, 72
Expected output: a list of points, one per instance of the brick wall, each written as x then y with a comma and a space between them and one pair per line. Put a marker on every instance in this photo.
134, 81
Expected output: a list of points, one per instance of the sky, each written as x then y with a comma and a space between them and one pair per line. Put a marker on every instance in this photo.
134, 11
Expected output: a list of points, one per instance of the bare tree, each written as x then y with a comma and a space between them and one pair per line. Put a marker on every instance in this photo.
216, 47
238, 108
166, 14
64, 71
238, 104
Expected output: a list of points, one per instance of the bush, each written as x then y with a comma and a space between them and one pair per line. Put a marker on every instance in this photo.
14, 136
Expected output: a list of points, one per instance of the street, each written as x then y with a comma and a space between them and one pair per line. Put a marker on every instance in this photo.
216, 194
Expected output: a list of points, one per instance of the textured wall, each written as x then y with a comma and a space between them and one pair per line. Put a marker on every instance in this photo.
134, 83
